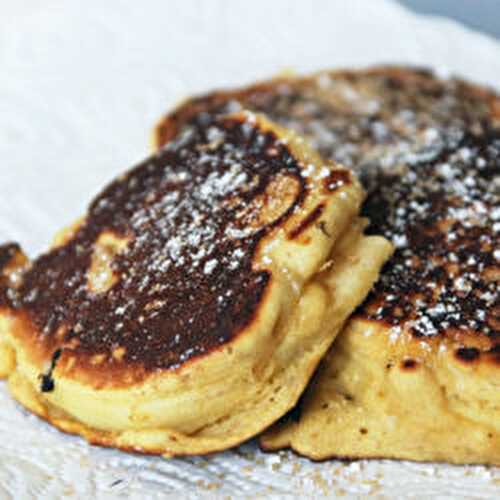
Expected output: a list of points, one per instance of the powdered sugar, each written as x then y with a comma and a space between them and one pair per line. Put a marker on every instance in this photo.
184, 282
440, 217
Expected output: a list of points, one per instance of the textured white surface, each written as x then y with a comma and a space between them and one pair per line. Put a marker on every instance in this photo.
81, 84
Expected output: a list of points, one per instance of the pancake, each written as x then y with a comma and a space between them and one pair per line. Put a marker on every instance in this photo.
361, 119
186, 311
415, 373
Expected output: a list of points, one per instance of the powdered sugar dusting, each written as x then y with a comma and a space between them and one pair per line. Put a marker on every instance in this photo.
440, 215
419, 145
185, 281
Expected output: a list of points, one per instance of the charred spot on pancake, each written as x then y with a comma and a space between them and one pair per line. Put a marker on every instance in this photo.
174, 252
494, 354
46, 380
442, 213
409, 364
13, 262
467, 354
47, 383
309, 220
8, 251
336, 179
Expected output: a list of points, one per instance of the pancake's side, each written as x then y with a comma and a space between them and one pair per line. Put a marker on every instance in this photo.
374, 397
415, 374
79, 340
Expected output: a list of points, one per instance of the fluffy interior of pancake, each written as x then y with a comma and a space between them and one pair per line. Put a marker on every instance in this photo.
380, 396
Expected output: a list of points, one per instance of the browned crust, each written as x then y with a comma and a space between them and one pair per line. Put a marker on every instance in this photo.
62, 320
85, 351
168, 126
79, 366
400, 77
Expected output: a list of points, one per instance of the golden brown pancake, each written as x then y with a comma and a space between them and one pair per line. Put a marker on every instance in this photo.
415, 374
188, 309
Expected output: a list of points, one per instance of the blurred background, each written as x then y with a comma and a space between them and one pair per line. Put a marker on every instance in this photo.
483, 15
83, 83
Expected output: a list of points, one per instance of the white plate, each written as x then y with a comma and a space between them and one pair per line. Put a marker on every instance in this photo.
81, 85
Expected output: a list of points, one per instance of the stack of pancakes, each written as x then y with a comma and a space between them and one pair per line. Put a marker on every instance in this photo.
189, 308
